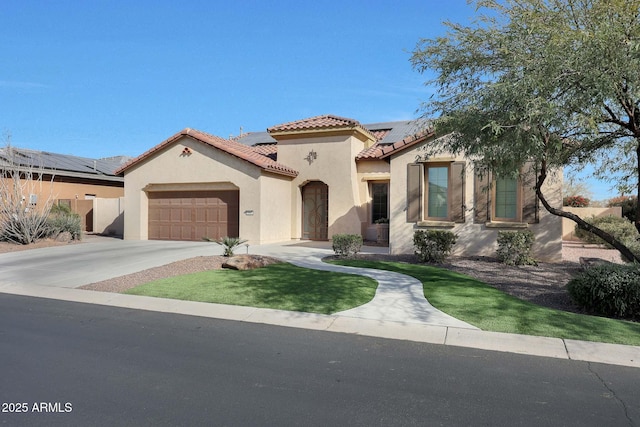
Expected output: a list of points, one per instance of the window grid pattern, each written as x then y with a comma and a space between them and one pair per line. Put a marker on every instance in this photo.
506, 198
379, 202
437, 204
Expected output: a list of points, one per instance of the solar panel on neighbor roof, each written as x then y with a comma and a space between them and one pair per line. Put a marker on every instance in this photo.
62, 162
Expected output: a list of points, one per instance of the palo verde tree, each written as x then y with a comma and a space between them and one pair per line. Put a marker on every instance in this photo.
550, 81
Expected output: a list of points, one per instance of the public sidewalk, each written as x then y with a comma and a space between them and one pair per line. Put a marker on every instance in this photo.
398, 311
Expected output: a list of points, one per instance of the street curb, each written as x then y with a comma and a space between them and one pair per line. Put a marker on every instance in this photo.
613, 354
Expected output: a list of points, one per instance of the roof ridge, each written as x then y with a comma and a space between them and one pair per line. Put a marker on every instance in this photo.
321, 121
231, 147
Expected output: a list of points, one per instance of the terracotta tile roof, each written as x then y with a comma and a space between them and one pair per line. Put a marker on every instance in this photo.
268, 150
325, 122
380, 134
317, 122
249, 154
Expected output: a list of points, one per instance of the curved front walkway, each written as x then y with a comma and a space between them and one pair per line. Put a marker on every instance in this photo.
398, 298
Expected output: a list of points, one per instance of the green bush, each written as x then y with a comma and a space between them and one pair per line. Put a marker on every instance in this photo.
433, 245
514, 247
608, 290
621, 229
61, 221
628, 204
346, 244
60, 209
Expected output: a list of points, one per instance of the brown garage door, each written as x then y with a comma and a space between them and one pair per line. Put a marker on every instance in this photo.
192, 215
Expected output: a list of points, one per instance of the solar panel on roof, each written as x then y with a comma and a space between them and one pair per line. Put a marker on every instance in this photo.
61, 162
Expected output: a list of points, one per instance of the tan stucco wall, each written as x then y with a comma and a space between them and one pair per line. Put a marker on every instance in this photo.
335, 166
208, 168
569, 227
108, 216
56, 189
274, 207
473, 239
65, 190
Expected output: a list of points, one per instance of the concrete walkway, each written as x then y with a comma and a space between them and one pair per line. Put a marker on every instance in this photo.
398, 311
398, 298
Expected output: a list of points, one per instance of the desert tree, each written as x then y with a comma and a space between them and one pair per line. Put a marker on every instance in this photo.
555, 82
26, 196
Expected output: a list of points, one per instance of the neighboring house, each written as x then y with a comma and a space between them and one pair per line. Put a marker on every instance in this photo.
313, 178
65, 179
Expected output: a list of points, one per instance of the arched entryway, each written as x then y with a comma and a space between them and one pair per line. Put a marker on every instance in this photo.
315, 211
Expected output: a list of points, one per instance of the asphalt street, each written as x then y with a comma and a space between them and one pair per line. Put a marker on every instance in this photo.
80, 364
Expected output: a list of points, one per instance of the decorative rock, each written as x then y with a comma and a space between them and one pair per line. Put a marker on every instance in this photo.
64, 237
248, 262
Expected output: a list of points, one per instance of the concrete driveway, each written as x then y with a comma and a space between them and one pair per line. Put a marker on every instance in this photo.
96, 259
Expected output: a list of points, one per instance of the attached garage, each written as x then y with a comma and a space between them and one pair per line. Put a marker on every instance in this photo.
196, 185
192, 215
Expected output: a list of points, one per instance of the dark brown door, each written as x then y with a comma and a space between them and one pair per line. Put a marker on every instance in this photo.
192, 215
315, 211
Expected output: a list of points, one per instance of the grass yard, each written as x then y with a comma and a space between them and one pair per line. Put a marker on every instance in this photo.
279, 286
489, 309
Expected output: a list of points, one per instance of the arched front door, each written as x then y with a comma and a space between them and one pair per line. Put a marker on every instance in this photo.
315, 211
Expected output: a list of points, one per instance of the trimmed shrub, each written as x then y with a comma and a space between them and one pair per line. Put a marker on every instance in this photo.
608, 290
514, 247
433, 245
623, 230
346, 244
62, 220
619, 228
628, 204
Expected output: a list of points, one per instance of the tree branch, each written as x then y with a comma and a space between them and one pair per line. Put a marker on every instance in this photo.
624, 251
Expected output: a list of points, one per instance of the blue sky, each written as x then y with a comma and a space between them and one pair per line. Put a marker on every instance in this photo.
100, 78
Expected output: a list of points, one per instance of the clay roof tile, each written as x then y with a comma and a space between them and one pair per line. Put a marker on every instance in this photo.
257, 157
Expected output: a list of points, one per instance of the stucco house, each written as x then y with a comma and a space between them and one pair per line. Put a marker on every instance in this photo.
61, 178
325, 175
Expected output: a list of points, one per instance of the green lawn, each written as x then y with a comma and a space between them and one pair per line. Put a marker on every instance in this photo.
278, 286
492, 310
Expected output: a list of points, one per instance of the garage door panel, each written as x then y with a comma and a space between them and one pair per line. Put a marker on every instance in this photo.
201, 215
193, 215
